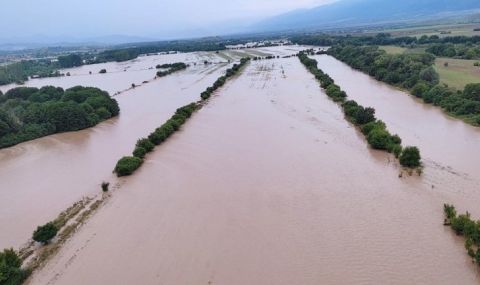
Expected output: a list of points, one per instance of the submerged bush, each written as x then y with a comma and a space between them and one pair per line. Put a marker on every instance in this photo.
410, 157
127, 165
45, 233
105, 186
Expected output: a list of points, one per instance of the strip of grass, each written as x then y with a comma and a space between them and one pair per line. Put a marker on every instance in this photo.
393, 49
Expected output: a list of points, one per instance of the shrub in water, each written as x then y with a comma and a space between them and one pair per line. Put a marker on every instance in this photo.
105, 186
410, 157
45, 233
127, 165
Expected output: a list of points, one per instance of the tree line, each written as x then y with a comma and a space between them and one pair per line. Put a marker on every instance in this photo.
170, 68
380, 39
461, 51
415, 73
28, 113
374, 130
127, 165
463, 225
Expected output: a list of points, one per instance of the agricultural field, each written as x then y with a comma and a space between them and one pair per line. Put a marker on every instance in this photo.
457, 73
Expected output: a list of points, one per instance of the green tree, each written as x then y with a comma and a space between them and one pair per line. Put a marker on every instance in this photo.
410, 157
379, 139
45, 233
10, 268
127, 165
71, 60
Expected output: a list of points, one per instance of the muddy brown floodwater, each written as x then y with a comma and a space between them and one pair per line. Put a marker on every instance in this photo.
41, 178
269, 184
449, 146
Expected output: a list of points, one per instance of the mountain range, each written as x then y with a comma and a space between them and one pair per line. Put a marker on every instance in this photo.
363, 12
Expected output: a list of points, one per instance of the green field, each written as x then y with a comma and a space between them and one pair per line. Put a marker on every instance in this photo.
439, 30
400, 50
458, 73
393, 49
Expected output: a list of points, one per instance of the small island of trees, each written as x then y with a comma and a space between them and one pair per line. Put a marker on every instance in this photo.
170, 68
28, 113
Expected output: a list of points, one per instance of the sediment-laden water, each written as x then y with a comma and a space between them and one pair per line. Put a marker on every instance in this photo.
269, 184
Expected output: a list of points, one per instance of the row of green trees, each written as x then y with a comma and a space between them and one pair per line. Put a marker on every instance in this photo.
19, 72
463, 225
170, 68
374, 130
127, 165
402, 70
28, 113
415, 73
462, 51
322, 39
222, 79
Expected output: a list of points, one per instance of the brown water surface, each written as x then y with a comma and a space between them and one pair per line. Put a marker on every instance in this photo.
449, 146
41, 178
269, 184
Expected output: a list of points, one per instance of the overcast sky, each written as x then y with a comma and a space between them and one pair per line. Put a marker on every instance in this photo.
146, 18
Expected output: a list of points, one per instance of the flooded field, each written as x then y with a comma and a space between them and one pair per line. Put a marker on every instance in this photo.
449, 146
40, 178
268, 184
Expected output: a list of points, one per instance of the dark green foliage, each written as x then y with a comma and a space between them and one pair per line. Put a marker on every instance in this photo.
127, 165
45, 233
420, 89
221, 81
403, 70
139, 152
145, 144
410, 157
171, 68
11, 272
71, 60
105, 186
413, 72
450, 211
128, 53
463, 225
379, 139
463, 51
30, 113
333, 91
19, 72
472, 92
358, 114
